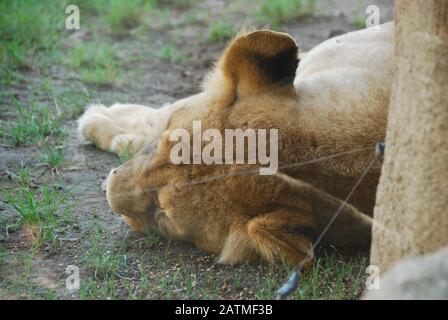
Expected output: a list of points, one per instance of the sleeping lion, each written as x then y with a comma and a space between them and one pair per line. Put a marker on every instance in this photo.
330, 109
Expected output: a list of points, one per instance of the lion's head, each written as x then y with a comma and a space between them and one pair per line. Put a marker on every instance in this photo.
250, 87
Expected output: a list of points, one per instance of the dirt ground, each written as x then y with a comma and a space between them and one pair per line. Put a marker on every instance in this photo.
113, 261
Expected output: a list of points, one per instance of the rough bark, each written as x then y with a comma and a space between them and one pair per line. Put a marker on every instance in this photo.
411, 213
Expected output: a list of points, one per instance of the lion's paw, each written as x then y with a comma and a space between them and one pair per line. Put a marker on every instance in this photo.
96, 127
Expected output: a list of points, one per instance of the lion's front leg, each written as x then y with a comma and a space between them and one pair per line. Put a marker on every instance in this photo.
338, 223
97, 127
156, 222
304, 218
283, 235
120, 129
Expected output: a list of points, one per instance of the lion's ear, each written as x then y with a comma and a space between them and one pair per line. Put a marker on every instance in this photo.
256, 62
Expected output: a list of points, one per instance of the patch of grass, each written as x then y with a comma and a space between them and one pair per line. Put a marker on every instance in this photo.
219, 31
72, 101
358, 21
170, 53
27, 259
331, 277
8, 76
99, 76
116, 17
22, 176
53, 157
31, 22
281, 11
18, 284
45, 87
105, 262
33, 124
2, 255
112, 276
91, 55
96, 62
210, 286
192, 18
15, 55
91, 289
123, 16
168, 275
89, 7
45, 210
27, 26
38, 122
181, 4
22, 284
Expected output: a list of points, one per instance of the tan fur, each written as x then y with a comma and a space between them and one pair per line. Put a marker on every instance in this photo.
336, 102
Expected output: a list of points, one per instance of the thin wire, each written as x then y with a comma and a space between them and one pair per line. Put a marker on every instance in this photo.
291, 283
245, 172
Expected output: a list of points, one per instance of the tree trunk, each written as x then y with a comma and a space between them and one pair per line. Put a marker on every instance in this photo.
411, 213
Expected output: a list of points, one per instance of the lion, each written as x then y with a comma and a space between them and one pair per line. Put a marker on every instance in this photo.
330, 108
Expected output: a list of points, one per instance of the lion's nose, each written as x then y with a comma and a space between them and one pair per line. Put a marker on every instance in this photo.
104, 184
106, 181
